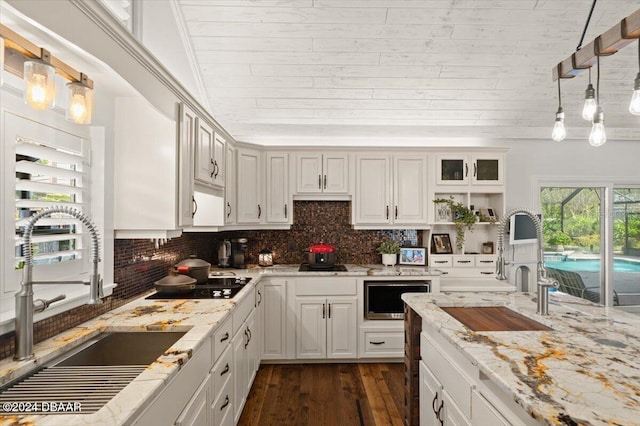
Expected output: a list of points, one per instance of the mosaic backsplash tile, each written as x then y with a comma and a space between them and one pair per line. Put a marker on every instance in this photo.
138, 263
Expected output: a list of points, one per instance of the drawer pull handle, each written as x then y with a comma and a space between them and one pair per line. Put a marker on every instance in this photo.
439, 261
486, 261
464, 261
444, 272
226, 337
433, 404
486, 273
226, 402
378, 343
226, 370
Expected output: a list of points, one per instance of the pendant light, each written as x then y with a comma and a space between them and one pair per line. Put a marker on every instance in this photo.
590, 105
80, 101
598, 135
634, 106
559, 131
40, 80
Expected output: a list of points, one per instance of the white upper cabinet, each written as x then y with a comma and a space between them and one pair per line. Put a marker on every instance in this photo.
473, 169
318, 173
391, 190
249, 184
149, 195
186, 139
278, 204
230, 190
209, 156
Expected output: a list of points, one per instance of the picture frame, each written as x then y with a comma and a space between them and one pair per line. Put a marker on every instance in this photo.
441, 244
413, 256
487, 248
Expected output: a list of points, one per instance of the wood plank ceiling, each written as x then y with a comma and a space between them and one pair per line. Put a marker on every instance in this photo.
412, 72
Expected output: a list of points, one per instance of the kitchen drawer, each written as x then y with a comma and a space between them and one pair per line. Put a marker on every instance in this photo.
441, 261
222, 405
221, 338
446, 370
221, 372
384, 343
464, 261
330, 286
243, 309
486, 261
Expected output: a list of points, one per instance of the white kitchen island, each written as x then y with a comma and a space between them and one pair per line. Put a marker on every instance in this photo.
584, 371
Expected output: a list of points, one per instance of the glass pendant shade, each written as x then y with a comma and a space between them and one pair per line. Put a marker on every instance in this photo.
40, 78
559, 131
634, 106
590, 104
80, 103
598, 135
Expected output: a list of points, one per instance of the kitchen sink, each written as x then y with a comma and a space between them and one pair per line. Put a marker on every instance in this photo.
494, 318
122, 348
89, 376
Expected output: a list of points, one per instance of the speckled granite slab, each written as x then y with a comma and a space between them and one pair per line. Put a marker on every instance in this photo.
584, 372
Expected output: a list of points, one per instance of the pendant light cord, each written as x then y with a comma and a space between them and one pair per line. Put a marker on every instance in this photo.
598, 82
586, 25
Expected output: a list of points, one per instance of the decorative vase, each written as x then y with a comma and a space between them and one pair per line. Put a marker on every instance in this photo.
389, 259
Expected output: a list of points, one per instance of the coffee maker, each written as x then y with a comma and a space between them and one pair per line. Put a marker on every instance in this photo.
238, 253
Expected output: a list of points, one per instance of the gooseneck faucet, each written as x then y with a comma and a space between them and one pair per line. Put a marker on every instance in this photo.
542, 279
25, 305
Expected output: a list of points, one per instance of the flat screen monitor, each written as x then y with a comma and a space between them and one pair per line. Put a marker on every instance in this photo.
522, 229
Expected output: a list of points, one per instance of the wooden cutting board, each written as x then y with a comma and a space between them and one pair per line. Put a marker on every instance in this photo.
494, 318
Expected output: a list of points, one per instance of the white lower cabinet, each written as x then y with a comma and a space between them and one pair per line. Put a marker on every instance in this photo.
326, 327
454, 393
244, 363
274, 306
196, 413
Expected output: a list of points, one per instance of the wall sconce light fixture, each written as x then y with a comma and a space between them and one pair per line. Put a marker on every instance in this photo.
38, 68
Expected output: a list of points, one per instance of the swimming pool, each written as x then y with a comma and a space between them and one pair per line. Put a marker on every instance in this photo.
592, 265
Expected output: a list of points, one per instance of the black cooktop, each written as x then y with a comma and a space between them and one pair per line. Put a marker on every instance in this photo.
305, 267
215, 288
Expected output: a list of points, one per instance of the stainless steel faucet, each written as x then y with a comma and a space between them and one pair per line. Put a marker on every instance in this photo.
25, 305
542, 279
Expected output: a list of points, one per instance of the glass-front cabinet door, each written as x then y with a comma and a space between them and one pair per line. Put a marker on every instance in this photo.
486, 170
453, 169
474, 169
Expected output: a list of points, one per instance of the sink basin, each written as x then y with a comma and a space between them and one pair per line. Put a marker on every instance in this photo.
494, 318
122, 348
89, 376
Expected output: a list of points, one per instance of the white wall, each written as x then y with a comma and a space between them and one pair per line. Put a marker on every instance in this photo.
528, 161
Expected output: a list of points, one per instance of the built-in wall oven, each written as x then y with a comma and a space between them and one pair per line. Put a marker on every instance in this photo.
382, 298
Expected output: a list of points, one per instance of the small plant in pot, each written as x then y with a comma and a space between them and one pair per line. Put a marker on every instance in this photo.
389, 251
463, 219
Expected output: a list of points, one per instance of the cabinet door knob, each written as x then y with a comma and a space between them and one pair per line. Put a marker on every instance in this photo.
319, 181
387, 212
226, 370
226, 402
396, 212
323, 311
195, 207
475, 169
226, 337
228, 210
325, 181
259, 211
466, 170
285, 211
329, 311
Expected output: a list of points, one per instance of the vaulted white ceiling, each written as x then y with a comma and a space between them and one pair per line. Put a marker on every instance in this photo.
402, 71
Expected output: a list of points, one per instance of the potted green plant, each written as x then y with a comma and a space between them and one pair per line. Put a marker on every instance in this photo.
389, 251
463, 219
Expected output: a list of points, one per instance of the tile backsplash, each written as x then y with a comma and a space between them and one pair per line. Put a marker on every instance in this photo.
138, 263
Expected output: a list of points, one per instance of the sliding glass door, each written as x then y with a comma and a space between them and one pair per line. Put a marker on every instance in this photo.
594, 255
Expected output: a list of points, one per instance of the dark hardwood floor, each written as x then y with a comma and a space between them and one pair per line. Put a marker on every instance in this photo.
326, 394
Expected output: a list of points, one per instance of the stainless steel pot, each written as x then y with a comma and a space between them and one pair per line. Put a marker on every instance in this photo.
175, 284
195, 268
321, 256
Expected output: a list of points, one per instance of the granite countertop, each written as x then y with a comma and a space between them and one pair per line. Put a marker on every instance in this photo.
585, 371
352, 270
197, 317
